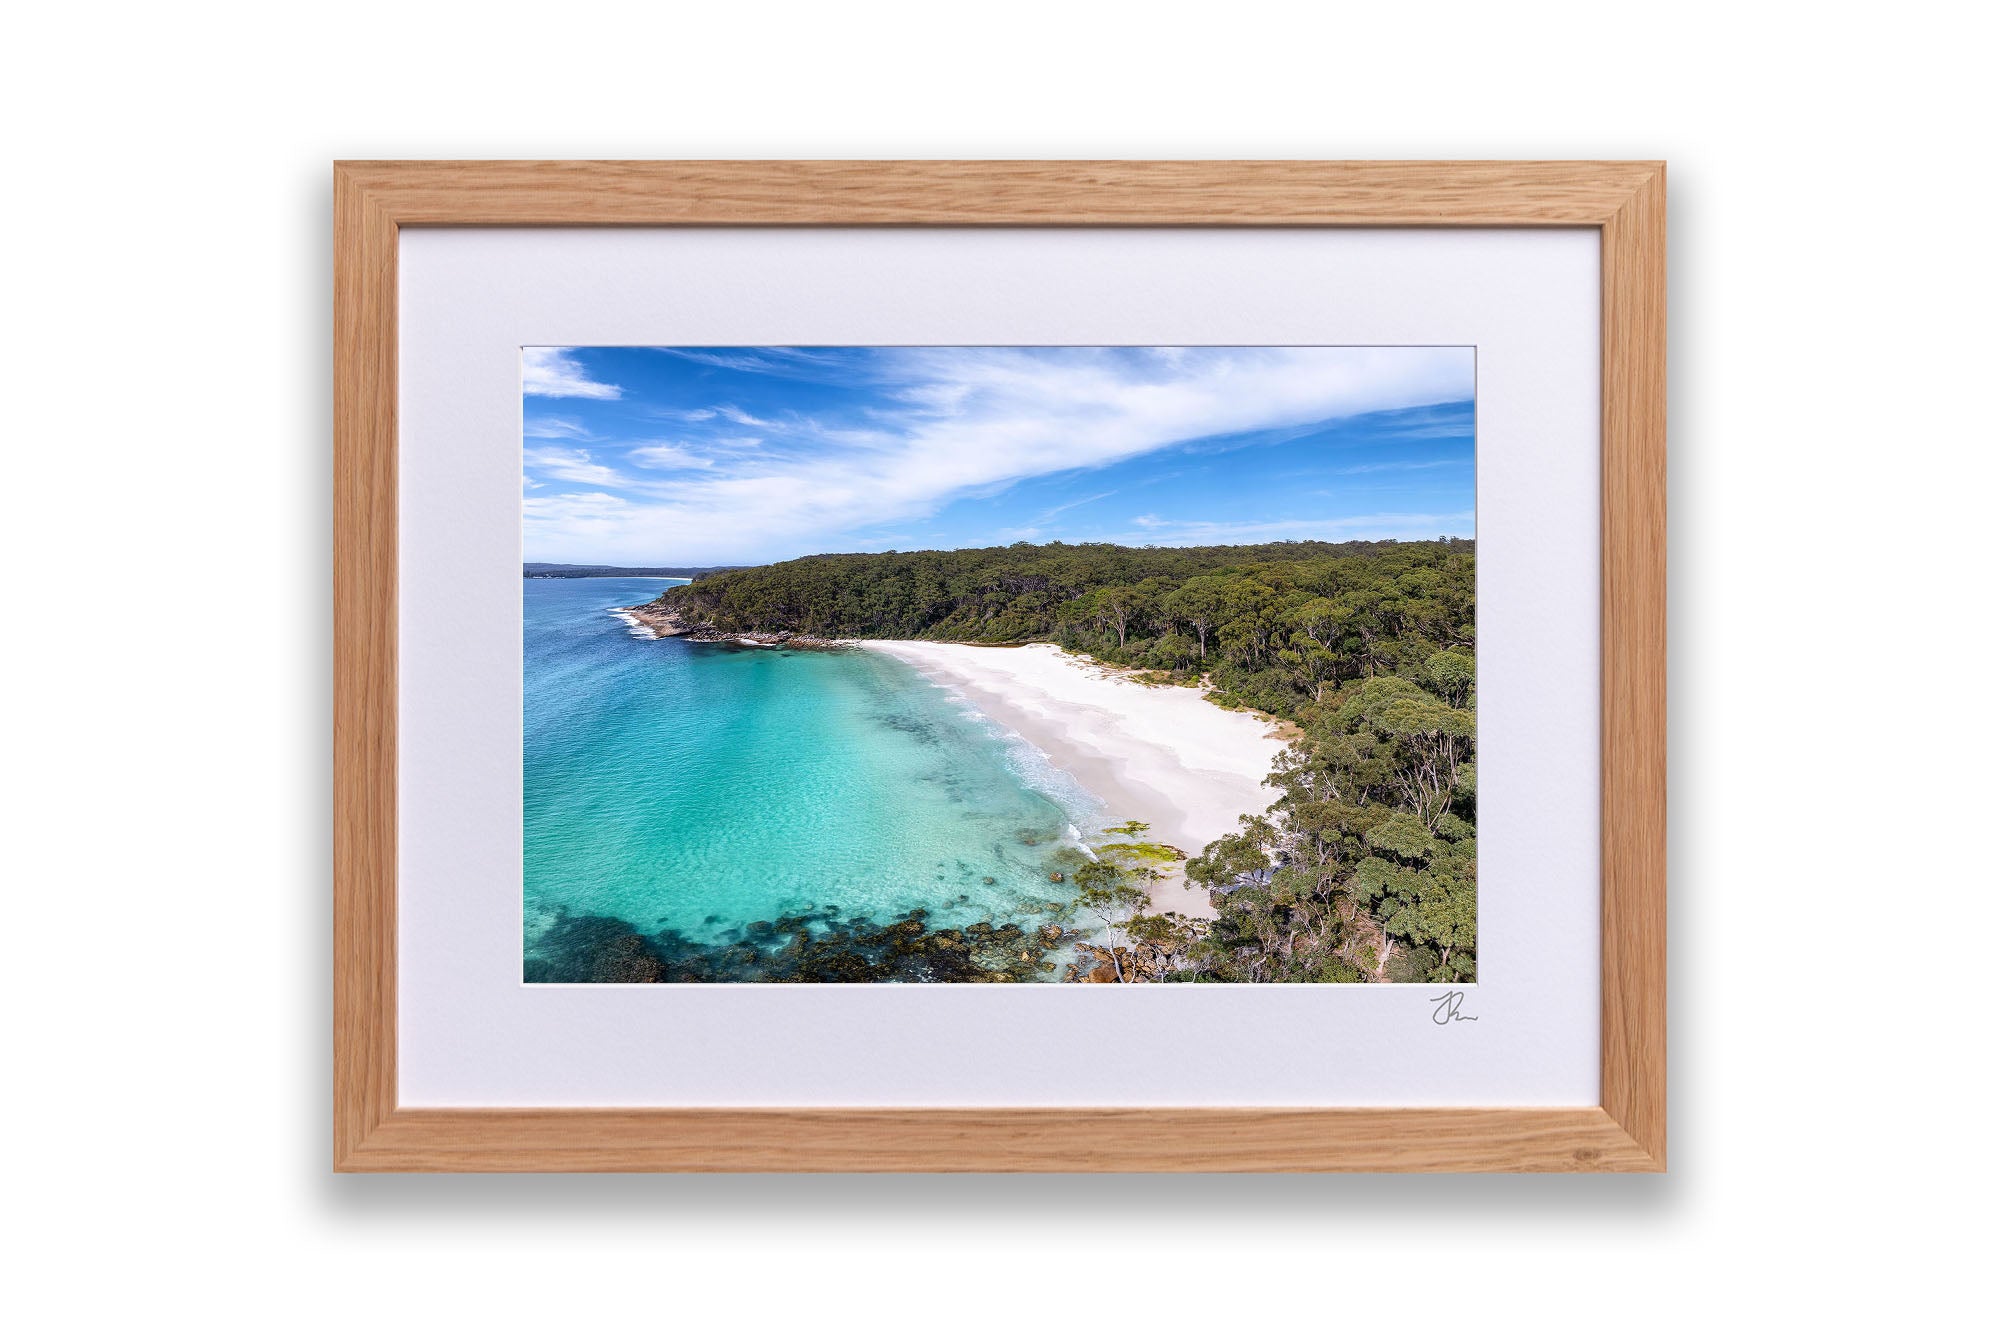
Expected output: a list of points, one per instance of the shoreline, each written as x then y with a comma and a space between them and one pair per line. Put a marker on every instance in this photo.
1161, 754
1164, 755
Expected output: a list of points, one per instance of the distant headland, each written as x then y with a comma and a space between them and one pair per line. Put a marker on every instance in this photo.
534, 569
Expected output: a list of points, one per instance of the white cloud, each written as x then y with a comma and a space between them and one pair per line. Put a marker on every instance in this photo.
794, 362
730, 412
590, 518
571, 465
725, 360
551, 372
665, 456
977, 420
554, 428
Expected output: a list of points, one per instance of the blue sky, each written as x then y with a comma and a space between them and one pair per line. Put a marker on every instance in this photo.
742, 455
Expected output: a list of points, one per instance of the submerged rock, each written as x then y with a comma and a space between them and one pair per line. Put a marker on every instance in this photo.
814, 946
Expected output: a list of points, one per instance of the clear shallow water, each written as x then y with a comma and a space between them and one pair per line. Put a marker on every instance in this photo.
699, 788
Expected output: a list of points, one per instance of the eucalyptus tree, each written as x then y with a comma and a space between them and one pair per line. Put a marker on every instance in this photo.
1104, 891
1199, 604
1452, 675
1432, 738
1119, 604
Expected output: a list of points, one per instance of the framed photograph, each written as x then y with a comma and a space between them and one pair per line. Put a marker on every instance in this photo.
999, 666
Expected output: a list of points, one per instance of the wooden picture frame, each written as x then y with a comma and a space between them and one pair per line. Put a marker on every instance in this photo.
1624, 201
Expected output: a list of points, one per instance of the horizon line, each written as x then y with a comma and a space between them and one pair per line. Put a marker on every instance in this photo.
1002, 546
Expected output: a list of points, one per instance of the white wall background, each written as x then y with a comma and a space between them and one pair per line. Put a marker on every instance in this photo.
167, 344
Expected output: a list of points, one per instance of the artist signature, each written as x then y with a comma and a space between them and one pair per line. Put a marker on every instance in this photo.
1447, 1009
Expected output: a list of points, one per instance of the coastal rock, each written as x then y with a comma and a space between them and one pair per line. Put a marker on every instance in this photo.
664, 623
667, 624
1097, 964
626, 960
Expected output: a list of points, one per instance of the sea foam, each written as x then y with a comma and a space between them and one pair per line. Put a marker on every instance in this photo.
634, 626
1036, 770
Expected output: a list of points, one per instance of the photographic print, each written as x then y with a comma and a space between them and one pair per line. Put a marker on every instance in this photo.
1033, 665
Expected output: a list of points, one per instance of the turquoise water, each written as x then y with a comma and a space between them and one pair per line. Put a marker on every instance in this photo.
699, 788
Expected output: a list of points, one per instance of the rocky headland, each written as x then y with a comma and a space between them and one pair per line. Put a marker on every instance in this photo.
666, 624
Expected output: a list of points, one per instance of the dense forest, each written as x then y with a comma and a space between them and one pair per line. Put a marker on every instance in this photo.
1365, 868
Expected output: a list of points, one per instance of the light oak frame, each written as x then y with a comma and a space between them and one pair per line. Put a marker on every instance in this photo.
1625, 201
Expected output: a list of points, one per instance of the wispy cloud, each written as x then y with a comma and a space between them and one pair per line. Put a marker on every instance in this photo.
552, 372
748, 360
791, 362
571, 465
594, 505
555, 428
1053, 510
1451, 422
666, 457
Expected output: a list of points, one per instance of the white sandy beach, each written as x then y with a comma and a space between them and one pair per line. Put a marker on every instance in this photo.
1161, 754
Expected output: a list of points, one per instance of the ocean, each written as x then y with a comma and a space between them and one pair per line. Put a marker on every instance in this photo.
700, 788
